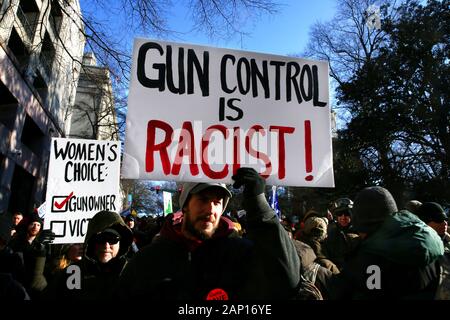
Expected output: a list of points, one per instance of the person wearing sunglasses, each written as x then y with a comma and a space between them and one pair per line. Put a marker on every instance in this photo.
342, 238
94, 277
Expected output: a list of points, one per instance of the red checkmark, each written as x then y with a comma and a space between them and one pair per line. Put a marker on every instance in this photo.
62, 204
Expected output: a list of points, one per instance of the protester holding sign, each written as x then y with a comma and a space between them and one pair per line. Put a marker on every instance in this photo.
107, 241
198, 254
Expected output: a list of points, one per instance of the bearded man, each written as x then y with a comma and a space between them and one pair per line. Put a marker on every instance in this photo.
198, 254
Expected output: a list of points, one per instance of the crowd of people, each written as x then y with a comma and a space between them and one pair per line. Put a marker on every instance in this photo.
361, 249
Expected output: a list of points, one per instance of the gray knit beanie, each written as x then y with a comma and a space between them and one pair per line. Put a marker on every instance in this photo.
372, 205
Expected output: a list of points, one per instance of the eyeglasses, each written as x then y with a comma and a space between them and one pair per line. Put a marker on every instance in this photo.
343, 212
105, 237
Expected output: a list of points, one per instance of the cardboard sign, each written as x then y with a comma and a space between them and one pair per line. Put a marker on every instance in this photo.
83, 179
199, 113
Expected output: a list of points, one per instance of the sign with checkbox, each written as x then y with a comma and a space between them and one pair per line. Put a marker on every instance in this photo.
83, 179
59, 203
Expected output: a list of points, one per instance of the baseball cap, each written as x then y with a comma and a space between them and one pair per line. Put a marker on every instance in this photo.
197, 187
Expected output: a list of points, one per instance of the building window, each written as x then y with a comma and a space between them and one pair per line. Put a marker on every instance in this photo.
41, 86
32, 136
28, 13
8, 107
21, 191
19, 50
56, 17
47, 55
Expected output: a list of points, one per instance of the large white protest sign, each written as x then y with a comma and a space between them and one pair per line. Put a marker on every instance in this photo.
83, 179
199, 113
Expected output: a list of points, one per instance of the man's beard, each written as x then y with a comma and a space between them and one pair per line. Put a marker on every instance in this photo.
33, 233
199, 234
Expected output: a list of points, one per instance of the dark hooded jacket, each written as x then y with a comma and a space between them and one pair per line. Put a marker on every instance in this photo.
341, 241
263, 266
403, 251
312, 270
98, 280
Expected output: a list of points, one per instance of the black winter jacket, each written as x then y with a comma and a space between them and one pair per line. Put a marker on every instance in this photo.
263, 266
97, 280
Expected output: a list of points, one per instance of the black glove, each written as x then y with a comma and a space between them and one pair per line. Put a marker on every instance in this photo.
253, 183
39, 244
46, 236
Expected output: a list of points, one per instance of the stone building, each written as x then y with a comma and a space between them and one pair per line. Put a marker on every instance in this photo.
93, 115
41, 47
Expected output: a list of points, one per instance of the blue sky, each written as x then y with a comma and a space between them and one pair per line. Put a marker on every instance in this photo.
283, 33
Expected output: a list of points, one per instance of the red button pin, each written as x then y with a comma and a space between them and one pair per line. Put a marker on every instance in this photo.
217, 294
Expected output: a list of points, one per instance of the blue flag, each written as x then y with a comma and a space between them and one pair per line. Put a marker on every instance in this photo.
273, 201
